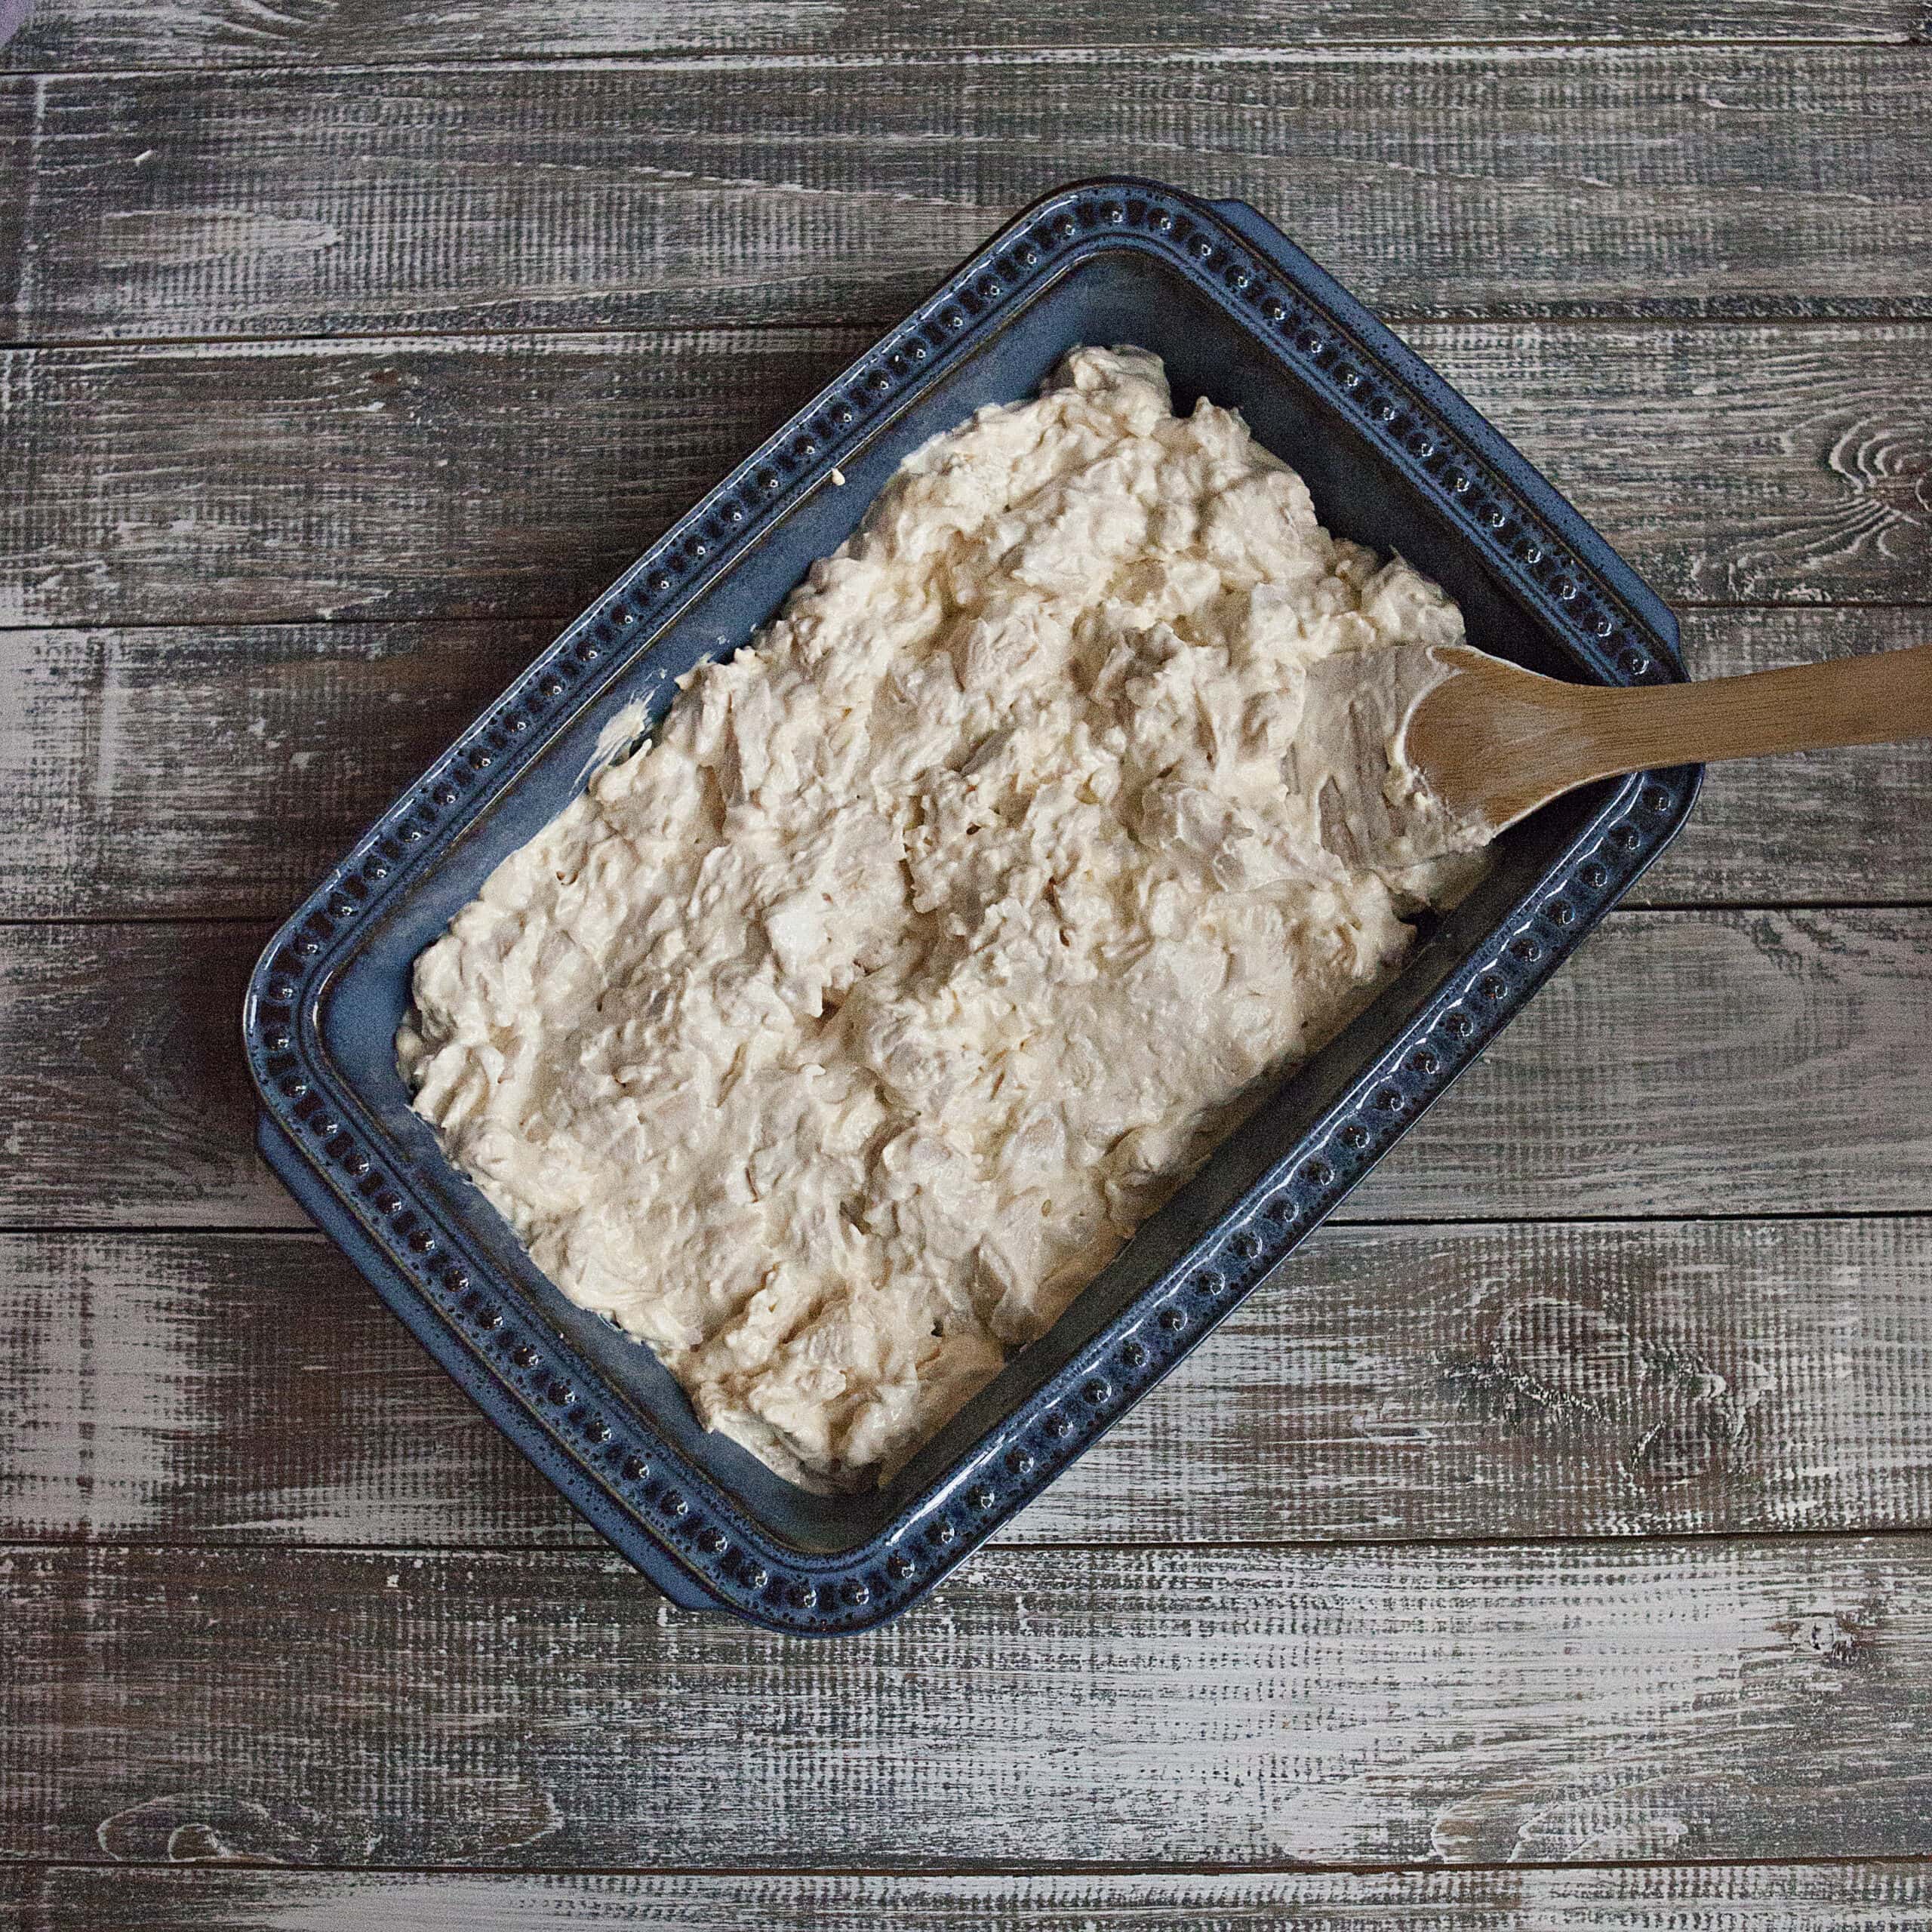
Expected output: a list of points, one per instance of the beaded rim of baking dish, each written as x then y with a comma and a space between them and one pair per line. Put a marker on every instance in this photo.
678, 1508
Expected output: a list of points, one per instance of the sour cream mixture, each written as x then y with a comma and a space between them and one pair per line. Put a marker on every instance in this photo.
832, 1042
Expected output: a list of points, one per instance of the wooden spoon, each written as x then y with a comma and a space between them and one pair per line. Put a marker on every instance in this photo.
1437, 747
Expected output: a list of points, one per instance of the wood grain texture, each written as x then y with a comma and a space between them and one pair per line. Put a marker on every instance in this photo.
1694, 262
1482, 1703
482, 477
1520, 181
1849, 1898
141, 765
92, 34
121, 1077
1716, 1063
144, 766
20, 112
1845, 826
1686, 1062
1388, 1384
473, 477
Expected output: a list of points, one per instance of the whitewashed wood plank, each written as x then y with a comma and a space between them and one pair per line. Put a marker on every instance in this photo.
1525, 1704
1846, 1897
479, 477
83, 35
20, 107
219, 770
457, 477
1741, 466
142, 766
1696, 1062
1426, 1383
123, 1091
1520, 181
1818, 828
1718, 1063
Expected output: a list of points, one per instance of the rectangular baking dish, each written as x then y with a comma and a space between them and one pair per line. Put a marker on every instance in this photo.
1394, 457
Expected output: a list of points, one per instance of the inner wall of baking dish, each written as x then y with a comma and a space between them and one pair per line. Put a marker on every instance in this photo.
1122, 295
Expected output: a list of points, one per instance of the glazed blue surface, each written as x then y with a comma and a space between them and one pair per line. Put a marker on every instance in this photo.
1394, 458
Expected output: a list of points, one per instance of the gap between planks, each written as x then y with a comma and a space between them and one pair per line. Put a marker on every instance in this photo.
56, 922
82, 36
1327, 52
482, 336
1879, 1894
861, 334
561, 617
1412, 1224
593, 1547
995, 1868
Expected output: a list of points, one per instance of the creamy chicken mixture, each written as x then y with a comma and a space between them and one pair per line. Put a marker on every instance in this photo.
834, 1040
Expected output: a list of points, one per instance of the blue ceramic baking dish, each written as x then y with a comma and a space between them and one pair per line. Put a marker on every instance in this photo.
1394, 458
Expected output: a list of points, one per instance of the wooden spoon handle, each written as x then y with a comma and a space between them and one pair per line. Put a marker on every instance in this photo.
1867, 700
1498, 742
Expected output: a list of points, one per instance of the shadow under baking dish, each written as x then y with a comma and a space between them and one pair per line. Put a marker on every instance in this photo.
526, 1353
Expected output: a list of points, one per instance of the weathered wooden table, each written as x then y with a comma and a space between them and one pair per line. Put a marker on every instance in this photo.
1552, 1544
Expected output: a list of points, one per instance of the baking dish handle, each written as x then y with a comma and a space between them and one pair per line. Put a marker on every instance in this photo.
406, 1303
1269, 241
1250, 219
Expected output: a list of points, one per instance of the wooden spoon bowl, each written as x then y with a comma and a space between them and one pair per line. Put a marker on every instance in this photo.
1497, 742
1487, 743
